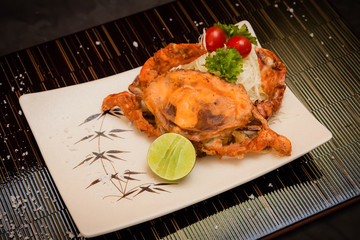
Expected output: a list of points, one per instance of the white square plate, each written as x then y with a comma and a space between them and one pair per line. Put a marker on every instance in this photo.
98, 162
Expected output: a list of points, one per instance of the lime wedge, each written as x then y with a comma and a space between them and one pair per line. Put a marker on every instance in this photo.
171, 156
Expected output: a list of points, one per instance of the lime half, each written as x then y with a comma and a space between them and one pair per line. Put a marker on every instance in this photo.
171, 156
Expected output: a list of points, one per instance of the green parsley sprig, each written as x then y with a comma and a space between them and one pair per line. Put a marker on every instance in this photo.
226, 63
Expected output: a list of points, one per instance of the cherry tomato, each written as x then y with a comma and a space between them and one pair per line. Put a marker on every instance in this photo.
241, 44
215, 38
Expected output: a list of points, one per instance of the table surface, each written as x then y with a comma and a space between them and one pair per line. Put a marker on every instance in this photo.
322, 180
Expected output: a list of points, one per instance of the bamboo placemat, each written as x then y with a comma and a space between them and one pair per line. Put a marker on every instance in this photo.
323, 61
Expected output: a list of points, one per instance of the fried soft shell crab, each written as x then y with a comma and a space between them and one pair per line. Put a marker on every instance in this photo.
211, 112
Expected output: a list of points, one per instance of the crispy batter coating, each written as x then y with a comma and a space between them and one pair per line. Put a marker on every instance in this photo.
273, 73
197, 105
214, 114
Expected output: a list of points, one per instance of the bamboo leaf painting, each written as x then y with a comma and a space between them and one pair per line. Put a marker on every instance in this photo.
160, 189
84, 161
92, 117
131, 178
85, 138
103, 134
119, 130
94, 182
127, 185
132, 172
113, 156
143, 189
116, 151
100, 134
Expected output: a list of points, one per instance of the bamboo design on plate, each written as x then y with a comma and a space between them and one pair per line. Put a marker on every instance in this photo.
126, 183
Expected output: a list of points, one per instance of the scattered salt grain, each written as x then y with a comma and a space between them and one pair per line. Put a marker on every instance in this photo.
20, 112
216, 227
12, 226
327, 55
135, 44
198, 23
12, 89
276, 5
70, 234
311, 34
252, 196
170, 19
40, 208
80, 236
15, 201
270, 185
97, 43
330, 37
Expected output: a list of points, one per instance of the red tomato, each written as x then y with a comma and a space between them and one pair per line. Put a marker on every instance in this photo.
215, 38
241, 44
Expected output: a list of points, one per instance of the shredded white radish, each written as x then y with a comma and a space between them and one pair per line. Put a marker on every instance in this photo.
250, 78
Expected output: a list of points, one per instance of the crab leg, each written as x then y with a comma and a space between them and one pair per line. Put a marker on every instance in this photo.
265, 139
273, 73
166, 58
131, 107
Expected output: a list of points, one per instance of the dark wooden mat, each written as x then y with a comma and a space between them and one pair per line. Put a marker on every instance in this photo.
323, 60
